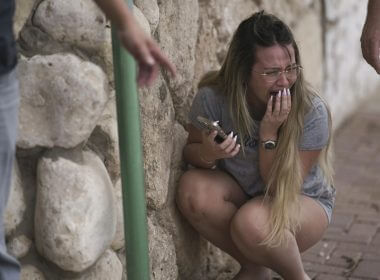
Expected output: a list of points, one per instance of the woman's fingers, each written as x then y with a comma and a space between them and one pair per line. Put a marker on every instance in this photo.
289, 101
270, 106
284, 101
277, 105
231, 146
227, 142
228, 148
235, 150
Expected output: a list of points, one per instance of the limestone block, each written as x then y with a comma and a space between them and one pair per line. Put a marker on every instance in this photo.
150, 9
19, 246
107, 267
121, 255
157, 138
77, 22
119, 240
22, 13
218, 21
16, 206
162, 255
29, 272
219, 263
190, 250
75, 216
104, 140
177, 165
141, 19
62, 98
177, 33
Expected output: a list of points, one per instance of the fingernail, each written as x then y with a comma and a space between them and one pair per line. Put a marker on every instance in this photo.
279, 93
238, 146
231, 134
235, 138
288, 91
150, 60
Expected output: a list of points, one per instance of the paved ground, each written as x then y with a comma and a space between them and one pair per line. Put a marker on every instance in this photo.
350, 248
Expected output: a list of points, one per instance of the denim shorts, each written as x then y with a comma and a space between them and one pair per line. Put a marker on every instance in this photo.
326, 199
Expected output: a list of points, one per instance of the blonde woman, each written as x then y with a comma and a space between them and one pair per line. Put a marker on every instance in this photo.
264, 194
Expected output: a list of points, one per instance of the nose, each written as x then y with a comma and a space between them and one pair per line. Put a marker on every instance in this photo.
283, 81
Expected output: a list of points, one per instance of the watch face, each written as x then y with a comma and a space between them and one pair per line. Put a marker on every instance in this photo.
270, 145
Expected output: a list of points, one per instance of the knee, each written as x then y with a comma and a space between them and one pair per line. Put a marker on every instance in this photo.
249, 227
191, 197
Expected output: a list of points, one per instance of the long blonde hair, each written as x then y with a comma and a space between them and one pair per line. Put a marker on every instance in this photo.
286, 178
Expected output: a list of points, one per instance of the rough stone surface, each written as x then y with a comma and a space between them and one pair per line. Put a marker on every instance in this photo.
77, 22
107, 267
161, 253
22, 13
119, 241
104, 140
75, 218
19, 246
65, 95
178, 31
30, 272
16, 203
141, 19
150, 9
217, 22
157, 138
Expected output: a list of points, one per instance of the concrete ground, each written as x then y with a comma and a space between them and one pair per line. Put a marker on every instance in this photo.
350, 248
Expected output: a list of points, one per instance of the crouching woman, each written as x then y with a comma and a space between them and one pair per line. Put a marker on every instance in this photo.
264, 194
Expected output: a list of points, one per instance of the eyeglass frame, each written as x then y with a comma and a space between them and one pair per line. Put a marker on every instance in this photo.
285, 72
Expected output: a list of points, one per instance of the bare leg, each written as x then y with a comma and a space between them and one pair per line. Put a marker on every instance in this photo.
249, 227
209, 200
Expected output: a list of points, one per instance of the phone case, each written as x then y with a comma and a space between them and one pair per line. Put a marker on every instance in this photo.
213, 125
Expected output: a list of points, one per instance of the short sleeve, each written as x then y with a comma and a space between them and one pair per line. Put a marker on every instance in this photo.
316, 128
207, 104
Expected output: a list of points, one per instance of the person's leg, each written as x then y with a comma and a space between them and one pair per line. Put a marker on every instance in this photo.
9, 101
209, 200
249, 228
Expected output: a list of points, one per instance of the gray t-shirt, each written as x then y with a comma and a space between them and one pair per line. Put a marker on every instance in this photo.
245, 168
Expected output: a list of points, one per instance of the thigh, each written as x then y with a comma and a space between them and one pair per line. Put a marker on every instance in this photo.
314, 222
209, 187
253, 217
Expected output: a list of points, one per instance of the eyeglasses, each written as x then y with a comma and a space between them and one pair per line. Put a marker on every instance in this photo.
290, 72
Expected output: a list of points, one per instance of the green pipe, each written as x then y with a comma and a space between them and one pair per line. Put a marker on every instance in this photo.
131, 164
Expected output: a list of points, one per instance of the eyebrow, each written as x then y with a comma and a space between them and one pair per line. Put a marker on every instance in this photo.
278, 68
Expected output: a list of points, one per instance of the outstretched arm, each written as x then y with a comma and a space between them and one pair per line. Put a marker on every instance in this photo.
145, 51
370, 39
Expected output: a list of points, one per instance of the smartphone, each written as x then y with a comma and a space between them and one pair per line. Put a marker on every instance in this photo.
213, 125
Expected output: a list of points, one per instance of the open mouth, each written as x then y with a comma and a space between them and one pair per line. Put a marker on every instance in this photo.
273, 93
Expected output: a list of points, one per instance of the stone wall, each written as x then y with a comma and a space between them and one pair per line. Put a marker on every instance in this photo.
64, 218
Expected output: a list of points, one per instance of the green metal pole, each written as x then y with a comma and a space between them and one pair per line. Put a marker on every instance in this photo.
131, 164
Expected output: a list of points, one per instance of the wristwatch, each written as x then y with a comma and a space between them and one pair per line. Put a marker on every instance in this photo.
269, 144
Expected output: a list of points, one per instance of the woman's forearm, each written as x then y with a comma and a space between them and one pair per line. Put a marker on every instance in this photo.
266, 158
192, 154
